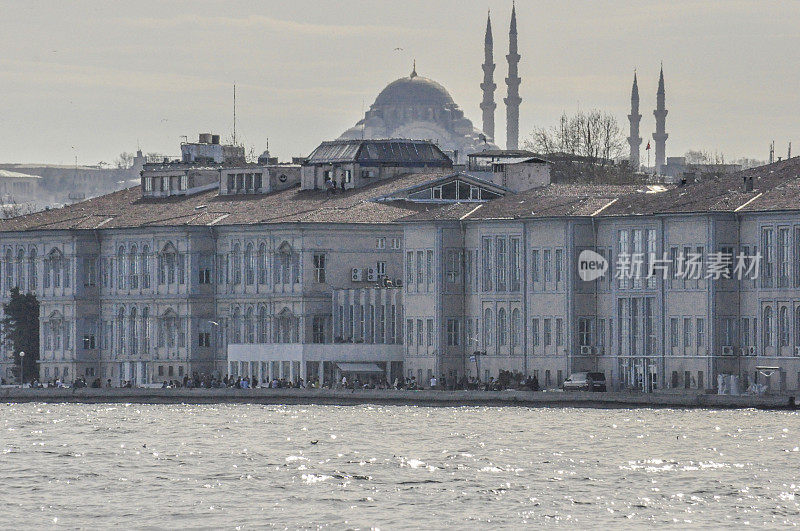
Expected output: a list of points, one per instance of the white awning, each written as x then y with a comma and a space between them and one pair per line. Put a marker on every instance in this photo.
359, 367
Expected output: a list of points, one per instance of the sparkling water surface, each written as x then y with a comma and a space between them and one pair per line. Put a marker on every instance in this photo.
243, 466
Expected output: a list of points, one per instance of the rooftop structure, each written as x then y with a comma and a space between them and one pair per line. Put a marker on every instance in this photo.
354, 163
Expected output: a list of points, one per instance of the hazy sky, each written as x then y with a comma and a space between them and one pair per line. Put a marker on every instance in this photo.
94, 78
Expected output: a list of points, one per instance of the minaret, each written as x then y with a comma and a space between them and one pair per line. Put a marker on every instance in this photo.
513, 80
634, 140
488, 86
660, 136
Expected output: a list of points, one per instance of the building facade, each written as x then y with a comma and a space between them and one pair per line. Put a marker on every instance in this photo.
419, 273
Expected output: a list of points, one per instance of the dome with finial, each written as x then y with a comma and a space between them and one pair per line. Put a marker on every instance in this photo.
414, 90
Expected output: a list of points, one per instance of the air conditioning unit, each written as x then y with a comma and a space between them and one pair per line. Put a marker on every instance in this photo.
797, 351
356, 275
372, 275
598, 350
727, 351
586, 350
398, 282
752, 351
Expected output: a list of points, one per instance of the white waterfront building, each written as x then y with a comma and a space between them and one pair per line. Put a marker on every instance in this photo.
408, 268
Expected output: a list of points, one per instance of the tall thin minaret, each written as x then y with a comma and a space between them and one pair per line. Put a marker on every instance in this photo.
634, 140
660, 136
513, 80
488, 86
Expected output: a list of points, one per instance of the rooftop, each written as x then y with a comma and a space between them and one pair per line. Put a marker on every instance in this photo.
510, 153
403, 152
554, 200
128, 209
7, 174
776, 187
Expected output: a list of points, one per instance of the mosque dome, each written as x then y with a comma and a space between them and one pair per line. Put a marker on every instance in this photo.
414, 90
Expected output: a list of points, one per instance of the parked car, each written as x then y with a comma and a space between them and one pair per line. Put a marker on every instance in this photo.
585, 381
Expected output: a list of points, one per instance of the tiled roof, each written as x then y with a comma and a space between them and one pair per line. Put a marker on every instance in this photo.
775, 187
127, 208
385, 151
549, 201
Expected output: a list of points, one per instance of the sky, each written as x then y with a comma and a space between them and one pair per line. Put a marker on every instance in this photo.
93, 79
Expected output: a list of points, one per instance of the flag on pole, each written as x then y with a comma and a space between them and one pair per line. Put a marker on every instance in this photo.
648, 145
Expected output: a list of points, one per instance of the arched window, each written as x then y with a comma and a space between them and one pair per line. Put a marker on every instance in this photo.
502, 328
9, 263
21, 269
144, 266
285, 327
236, 264
783, 325
166, 264
54, 335
249, 326
286, 265
488, 326
121, 332
236, 326
47, 266
56, 261
766, 327
133, 273
249, 265
145, 329
132, 335
168, 329
171, 326
516, 325
121, 267
33, 277
262, 264
263, 325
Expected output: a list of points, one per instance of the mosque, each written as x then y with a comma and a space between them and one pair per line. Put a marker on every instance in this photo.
418, 107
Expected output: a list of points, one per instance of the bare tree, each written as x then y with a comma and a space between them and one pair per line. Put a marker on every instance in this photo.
594, 134
124, 161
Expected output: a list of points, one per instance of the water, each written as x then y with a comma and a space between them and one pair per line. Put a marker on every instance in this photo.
67, 465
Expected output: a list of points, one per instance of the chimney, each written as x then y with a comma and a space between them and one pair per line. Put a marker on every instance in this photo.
748, 183
215, 139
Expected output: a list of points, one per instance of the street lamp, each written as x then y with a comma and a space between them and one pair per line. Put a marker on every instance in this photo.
21, 369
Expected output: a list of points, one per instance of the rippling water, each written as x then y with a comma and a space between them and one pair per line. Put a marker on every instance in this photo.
238, 465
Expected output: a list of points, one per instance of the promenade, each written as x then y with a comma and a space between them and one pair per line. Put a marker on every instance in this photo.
395, 397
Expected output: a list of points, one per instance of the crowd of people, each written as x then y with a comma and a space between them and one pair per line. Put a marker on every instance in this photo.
506, 380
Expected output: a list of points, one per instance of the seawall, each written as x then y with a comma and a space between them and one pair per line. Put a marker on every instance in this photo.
396, 397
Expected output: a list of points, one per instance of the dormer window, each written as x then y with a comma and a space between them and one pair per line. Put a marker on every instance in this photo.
148, 184
257, 181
